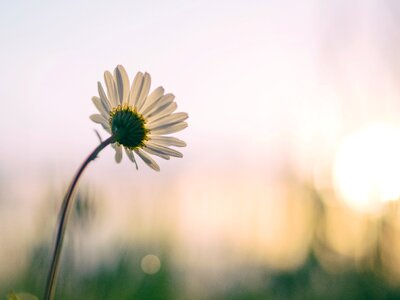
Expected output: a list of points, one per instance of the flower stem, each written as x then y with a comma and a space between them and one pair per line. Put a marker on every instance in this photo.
64, 213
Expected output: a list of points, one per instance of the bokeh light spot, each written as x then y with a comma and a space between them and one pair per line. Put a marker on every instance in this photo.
367, 165
150, 264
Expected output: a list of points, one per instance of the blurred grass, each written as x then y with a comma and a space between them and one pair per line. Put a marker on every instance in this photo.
312, 282
125, 280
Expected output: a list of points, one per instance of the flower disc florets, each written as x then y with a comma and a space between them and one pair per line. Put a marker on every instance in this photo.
128, 126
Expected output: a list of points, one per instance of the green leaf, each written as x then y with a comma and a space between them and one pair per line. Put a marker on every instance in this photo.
21, 296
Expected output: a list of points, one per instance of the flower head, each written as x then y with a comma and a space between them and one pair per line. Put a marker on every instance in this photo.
138, 121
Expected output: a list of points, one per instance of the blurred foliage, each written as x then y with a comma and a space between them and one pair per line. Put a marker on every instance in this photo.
21, 296
313, 282
125, 280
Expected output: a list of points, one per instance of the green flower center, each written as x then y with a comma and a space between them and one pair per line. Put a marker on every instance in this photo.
128, 127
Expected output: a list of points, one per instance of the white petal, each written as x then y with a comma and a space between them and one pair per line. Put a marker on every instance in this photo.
118, 153
161, 125
103, 96
162, 111
111, 88
106, 128
163, 150
153, 106
130, 155
144, 91
168, 141
135, 89
122, 82
163, 101
159, 154
154, 151
170, 129
147, 159
154, 96
99, 119
97, 102
174, 118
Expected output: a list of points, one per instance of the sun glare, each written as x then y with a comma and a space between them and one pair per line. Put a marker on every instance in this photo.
367, 166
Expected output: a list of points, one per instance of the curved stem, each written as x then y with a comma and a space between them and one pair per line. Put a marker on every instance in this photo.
64, 213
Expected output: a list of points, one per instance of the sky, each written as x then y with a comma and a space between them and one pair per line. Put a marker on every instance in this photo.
254, 77
229, 66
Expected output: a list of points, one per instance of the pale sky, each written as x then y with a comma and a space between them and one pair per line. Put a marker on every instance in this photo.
248, 73
265, 83
236, 68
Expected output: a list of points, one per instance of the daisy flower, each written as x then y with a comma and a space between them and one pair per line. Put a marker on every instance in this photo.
137, 120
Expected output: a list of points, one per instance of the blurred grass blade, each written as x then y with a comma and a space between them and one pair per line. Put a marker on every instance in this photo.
21, 296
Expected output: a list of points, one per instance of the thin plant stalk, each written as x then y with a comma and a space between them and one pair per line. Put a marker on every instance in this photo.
64, 214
